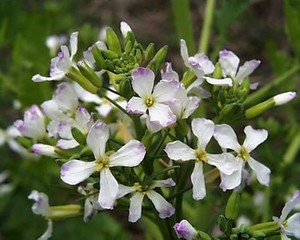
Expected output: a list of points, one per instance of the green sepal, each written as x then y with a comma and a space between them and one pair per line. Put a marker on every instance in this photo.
125, 88
149, 52
112, 41
78, 136
222, 222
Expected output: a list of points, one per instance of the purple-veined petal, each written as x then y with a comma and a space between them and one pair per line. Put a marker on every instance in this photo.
180, 151
136, 105
108, 189
197, 178
73, 44
226, 137
219, 82
184, 52
254, 137
76, 171
152, 126
225, 162
97, 138
83, 119
64, 129
290, 205
261, 171
206, 65
135, 209
229, 182
67, 143
196, 67
229, 63
124, 190
245, 70
66, 98
163, 183
191, 105
52, 110
41, 205
64, 62
203, 129
48, 233
40, 78
162, 114
143, 81
164, 208
130, 155
169, 74
292, 227
164, 91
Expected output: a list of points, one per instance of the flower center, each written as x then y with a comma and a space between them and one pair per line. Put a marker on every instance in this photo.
201, 155
244, 154
139, 188
149, 101
102, 163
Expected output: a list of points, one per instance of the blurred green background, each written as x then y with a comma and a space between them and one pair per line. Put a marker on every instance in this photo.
262, 29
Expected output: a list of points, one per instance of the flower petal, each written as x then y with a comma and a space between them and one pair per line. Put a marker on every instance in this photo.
219, 82
66, 97
162, 114
293, 226
169, 74
225, 162
261, 171
206, 65
97, 138
108, 189
229, 63
163, 183
48, 233
124, 190
130, 155
136, 105
203, 129
76, 171
67, 144
180, 151
40, 78
226, 137
184, 52
165, 90
197, 178
73, 44
52, 110
246, 70
254, 137
41, 205
290, 205
142, 81
233, 180
135, 209
164, 208
191, 105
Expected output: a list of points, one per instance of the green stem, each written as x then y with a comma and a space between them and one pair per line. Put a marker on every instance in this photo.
206, 30
264, 92
292, 150
114, 103
183, 23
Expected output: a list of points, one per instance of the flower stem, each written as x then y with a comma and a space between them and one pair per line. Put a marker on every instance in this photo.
206, 30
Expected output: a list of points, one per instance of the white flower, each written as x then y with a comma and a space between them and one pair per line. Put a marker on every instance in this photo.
76, 171
203, 129
185, 230
33, 125
155, 100
61, 64
91, 205
230, 63
227, 139
290, 226
201, 65
164, 208
41, 207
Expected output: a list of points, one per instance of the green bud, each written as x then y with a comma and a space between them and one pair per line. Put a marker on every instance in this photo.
130, 38
78, 136
99, 59
89, 74
125, 89
110, 65
65, 211
108, 54
115, 78
232, 112
233, 206
24, 141
188, 78
203, 236
259, 108
258, 234
158, 60
222, 222
218, 71
112, 41
75, 75
149, 52
147, 139
128, 47
139, 56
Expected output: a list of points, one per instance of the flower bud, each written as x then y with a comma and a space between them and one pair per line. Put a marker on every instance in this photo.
112, 41
89, 73
44, 149
284, 98
158, 60
233, 206
125, 28
149, 52
185, 230
99, 59
65, 211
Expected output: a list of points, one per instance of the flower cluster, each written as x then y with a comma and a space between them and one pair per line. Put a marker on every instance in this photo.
122, 132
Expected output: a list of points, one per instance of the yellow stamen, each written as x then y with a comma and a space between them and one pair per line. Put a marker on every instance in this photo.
201, 155
244, 154
102, 163
149, 101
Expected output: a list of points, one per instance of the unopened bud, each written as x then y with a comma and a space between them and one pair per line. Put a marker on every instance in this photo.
45, 150
65, 211
125, 28
233, 206
185, 230
284, 98
112, 41
159, 59
89, 73
149, 52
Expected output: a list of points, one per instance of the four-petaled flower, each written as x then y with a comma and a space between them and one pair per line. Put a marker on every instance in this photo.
227, 139
76, 171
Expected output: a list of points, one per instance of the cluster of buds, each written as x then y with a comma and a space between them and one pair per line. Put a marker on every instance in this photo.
140, 144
